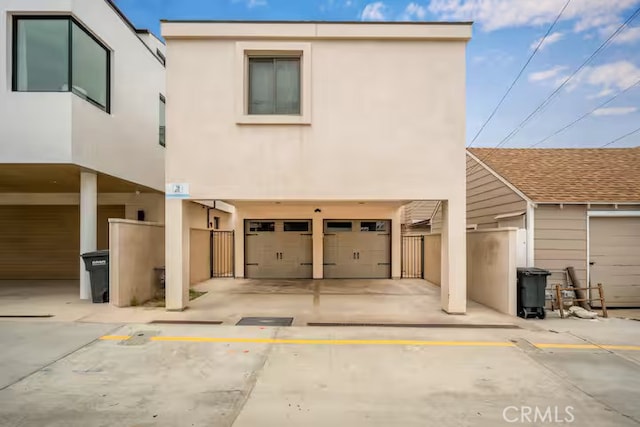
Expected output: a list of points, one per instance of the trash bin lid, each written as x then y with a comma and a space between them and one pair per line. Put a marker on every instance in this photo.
533, 271
103, 252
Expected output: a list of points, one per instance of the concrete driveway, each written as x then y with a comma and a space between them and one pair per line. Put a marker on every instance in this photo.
197, 375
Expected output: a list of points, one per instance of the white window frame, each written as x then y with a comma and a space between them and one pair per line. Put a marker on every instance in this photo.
244, 50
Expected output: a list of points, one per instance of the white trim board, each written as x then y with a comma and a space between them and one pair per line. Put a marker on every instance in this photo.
621, 214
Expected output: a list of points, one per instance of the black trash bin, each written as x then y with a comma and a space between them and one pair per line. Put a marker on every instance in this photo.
97, 264
532, 282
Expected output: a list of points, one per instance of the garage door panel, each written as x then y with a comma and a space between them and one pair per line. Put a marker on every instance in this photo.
357, 249
42, 242
278, 254
615, 254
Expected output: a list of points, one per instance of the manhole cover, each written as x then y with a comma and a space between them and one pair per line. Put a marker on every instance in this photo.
265, 321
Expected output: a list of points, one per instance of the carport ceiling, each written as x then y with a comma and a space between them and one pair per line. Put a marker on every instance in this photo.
46, 178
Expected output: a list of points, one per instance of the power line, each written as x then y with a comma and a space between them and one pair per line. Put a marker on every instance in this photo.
585, 115
620, 138
495, 110
549, 98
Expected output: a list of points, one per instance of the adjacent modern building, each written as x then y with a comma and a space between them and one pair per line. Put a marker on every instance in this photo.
577, 207
303, 127
82, 101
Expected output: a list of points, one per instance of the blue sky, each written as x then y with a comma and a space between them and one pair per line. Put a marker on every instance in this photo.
505, 33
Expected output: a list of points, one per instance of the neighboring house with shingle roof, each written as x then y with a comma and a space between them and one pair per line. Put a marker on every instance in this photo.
579, 207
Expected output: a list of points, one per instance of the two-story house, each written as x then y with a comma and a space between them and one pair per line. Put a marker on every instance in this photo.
304, 127
82, 99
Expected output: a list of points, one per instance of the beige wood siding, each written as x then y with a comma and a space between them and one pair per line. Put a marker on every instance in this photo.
615, 253
418, 211
560, 240
42, 242
487, 197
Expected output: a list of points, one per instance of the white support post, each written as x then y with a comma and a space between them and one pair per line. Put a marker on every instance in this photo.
530, 224
88, 225
453, 287
176, 255
318, 246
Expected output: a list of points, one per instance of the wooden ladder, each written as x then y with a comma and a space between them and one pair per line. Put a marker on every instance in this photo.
560, 300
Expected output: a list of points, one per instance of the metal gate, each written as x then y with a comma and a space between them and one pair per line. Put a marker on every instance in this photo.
413, 257
222, 254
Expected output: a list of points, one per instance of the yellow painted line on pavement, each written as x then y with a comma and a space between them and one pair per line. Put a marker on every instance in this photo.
372, 342
115, 337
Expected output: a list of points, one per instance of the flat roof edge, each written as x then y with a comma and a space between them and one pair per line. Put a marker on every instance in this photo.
218, 21
315, 30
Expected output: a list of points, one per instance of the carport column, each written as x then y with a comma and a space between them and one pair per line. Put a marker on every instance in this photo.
176, 255
453, 289
318, 250
88, 225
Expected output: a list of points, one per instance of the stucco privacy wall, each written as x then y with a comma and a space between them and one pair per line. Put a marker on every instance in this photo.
491, 268
432, 258
136, 249
199, 255
126, 145
355, 146
328, 210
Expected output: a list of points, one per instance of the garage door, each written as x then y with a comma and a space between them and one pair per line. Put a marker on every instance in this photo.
43, 242
278, 249
357, 249
615, 259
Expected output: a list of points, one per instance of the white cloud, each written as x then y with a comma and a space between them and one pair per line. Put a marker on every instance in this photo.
414, 12
497, 14
374, 12
551, 73
252, 3
628, 35
551, 39
614, 111
609, 78
348, 3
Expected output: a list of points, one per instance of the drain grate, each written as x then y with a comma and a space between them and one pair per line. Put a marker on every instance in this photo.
187, 322
265, 321
419, 325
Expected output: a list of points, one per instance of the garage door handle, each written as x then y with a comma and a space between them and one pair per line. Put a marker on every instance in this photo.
252, 263
592, 263
384, 263
306, 263
328, 263
250, 234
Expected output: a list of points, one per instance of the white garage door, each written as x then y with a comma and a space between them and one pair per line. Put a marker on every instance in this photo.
278, 249
357, 249
615, 259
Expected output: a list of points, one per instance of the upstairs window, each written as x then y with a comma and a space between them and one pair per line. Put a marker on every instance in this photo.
274, 85
55, 54
162, 129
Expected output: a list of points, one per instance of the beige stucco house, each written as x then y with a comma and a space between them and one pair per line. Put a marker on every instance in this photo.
303, 127
576, 207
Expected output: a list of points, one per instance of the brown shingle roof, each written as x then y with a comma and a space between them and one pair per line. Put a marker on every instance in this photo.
568, 175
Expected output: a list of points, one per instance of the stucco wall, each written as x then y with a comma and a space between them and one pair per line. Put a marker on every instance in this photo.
491, 268
199, 255
432, 258
136, 249
372, 101
63, 128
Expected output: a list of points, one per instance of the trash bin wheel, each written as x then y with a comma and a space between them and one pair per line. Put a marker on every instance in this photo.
542, 314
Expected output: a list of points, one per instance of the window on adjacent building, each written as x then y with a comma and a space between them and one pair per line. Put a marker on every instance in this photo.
161, 56
274, 85
55, 54
162, 131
